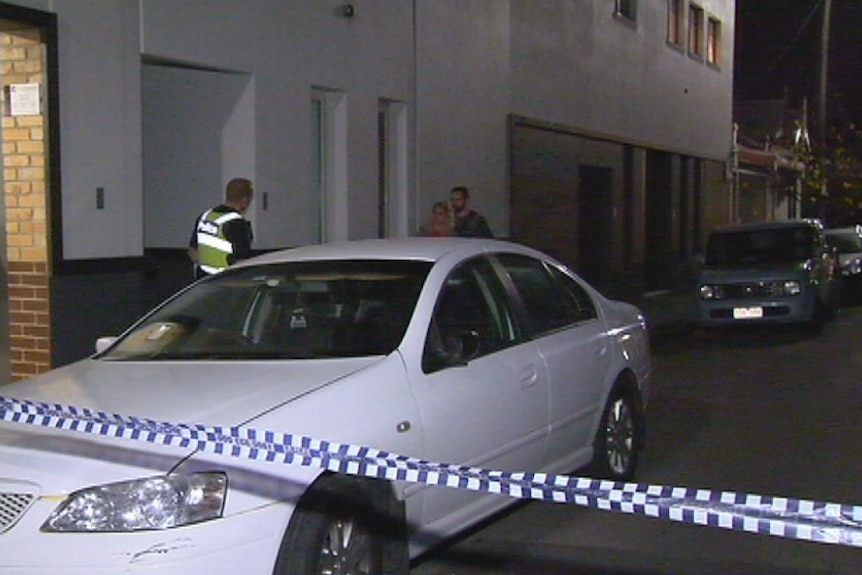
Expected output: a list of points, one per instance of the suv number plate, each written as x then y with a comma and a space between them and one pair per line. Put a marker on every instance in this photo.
747, 312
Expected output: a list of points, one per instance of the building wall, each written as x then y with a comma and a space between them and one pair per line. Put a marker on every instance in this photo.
288, 48
463, 86
603, 88
26, 210
582, 67
478, 60
247, 72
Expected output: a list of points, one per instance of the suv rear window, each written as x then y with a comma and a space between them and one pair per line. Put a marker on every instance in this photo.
761, 246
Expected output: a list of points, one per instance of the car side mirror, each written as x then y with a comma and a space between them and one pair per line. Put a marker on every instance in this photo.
461, 347
469, 345
104, 343
450, 350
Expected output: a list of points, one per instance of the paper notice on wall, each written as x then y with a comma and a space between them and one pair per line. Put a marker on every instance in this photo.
23, 99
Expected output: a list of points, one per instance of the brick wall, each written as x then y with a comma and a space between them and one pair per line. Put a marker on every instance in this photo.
22, 61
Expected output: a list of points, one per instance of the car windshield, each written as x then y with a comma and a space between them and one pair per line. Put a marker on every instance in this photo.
297, 310
760, 246
845, 242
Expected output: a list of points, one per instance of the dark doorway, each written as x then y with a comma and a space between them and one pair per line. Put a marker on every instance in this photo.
658, 252
595, 223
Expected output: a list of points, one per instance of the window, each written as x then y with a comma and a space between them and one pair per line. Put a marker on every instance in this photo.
713, 40
579, 304
695, 30
627, 9
552, 299
329, 163
472, 317
392, 167
297, 310
319, 146
675, 22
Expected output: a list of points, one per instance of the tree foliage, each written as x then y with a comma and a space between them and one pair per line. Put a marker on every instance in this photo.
832, 184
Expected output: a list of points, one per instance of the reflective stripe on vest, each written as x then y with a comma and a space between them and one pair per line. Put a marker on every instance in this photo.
213, 248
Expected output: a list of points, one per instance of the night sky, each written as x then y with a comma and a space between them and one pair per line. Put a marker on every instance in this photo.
778, 51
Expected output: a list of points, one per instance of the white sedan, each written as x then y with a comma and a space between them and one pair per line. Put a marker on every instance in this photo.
471, 352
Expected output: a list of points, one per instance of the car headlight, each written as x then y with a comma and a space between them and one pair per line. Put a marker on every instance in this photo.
854, 267
791, 287
160, 502
710, 292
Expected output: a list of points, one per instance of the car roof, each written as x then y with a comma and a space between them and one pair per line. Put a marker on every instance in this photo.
857, 229
421, 249
782, 224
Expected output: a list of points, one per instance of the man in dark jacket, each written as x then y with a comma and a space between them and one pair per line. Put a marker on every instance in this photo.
468, 222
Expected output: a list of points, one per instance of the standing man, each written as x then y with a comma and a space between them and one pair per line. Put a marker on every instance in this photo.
468, 223
222, 235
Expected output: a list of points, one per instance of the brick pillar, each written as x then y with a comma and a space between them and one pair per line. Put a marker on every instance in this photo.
22, 61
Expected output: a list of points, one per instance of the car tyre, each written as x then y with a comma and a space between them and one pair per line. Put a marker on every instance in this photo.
619, 437
345, 527
819, 317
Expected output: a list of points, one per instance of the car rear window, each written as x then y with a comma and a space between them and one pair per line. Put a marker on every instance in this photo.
845, 242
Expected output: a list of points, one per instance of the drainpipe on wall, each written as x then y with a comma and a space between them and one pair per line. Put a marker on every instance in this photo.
733, 208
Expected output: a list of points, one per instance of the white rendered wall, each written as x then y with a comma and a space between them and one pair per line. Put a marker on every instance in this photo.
290, 49
581, 67
558, 61
462, 104
100, 127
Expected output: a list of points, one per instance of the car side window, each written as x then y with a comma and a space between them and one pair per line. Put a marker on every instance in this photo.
552, 299
578, 302
472, 317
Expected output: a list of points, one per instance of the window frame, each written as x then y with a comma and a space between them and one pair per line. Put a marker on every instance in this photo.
573, 290
503, 314
626, 9
506, 261
713, 41
675, 23
695, 36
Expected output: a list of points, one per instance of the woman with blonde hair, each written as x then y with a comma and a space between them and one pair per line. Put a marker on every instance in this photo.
440, 224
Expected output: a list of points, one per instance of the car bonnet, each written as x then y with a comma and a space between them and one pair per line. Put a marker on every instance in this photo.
191, 393
212, 393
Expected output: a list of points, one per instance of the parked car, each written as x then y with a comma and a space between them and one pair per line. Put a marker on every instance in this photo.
473, 352
848, 243
777, 272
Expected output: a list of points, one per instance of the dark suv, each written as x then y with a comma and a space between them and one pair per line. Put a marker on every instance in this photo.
780, 272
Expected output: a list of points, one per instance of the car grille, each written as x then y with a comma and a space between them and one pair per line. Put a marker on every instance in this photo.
12, 507
753, 289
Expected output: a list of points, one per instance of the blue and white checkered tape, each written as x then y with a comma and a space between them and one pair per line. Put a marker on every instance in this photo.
778, 516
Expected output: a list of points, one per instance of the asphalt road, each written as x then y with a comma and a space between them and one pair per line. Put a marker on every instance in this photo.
767, 411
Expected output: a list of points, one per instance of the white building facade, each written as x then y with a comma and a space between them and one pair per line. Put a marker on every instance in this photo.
596, 129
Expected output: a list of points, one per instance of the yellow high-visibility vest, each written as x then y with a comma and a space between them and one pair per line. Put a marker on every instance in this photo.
213, 247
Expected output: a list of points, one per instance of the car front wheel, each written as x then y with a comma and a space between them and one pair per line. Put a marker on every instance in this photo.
339, 529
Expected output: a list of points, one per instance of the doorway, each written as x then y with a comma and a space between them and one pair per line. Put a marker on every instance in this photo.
659, 248
595, 222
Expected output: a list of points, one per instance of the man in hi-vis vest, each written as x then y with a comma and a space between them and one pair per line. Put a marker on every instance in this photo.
222, 235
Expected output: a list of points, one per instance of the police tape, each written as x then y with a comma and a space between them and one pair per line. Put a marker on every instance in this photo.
801, 519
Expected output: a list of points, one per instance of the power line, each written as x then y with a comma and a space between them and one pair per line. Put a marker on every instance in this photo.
790, 44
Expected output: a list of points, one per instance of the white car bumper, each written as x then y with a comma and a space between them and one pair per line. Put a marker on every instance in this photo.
246, 543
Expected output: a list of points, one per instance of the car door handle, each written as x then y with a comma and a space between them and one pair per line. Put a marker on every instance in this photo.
528, 377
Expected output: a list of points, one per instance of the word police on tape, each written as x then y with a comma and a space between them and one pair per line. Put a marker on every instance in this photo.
778, 516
